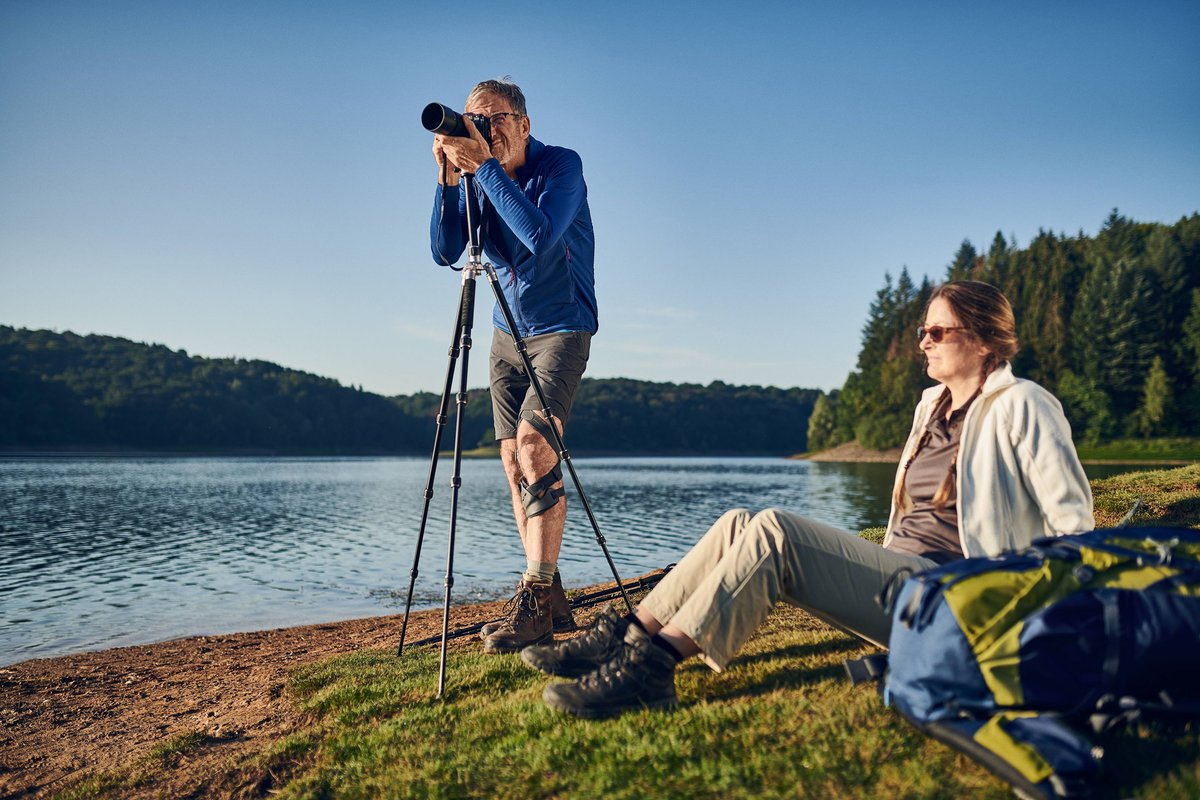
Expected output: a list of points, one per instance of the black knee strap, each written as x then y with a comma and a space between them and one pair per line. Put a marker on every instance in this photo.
539, 424
538, 497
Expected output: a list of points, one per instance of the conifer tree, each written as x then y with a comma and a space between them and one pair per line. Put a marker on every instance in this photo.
821, 430
1116, 331
964, 262
1151, 416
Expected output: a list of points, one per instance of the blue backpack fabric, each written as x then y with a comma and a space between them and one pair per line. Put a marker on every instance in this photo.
1010, 659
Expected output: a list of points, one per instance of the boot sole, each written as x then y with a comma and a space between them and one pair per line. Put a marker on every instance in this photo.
494, 647
555, 703
559, 625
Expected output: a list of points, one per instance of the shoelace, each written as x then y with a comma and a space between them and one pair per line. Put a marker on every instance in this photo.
527, 604
517, 606
612, 670
509, 612
601, 628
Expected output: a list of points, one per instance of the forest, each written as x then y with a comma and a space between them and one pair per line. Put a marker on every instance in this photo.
66, 391
1110, 324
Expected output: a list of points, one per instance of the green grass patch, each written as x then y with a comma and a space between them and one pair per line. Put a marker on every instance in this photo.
141, 773
873, 534
1132, 450
782, 721
1165, 497
176, 746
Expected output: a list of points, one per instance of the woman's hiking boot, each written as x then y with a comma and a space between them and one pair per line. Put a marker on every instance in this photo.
528, 624
560, 611
641, 675
577, 657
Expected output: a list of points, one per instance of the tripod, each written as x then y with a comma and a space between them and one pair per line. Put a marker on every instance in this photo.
461, 342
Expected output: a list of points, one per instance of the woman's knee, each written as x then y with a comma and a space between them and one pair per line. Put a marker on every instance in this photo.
772, 525
728, 526
735, 518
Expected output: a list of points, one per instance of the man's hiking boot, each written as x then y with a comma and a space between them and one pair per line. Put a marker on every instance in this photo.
529, 623
560, 607
560, 612
641, 675
577, 657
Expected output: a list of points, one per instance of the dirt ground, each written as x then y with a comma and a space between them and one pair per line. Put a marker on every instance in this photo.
853, 451
67, 718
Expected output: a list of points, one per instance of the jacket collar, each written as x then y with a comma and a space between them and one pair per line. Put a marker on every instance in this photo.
533, 154
1001, 377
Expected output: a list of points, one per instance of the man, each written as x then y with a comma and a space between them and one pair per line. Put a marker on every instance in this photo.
537, 232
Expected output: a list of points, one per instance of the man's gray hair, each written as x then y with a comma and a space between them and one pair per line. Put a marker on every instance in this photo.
504, 87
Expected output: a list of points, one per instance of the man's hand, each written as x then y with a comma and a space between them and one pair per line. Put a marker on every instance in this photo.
448, 174
465, 154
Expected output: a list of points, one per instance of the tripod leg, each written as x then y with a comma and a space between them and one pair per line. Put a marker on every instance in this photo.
443, 408
563, 453
456, 477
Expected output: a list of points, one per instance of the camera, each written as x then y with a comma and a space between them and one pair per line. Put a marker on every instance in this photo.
437, 118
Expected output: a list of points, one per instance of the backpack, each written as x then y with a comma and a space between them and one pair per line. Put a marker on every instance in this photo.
1008, 659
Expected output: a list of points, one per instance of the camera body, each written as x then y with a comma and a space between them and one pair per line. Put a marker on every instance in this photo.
437, 118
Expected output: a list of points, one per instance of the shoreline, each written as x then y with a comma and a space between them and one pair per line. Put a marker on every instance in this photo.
850, 453
67, 717
854, 453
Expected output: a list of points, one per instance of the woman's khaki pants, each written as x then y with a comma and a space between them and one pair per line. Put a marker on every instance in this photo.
727, 584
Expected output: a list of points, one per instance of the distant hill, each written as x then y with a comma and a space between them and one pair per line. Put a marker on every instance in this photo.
63, 390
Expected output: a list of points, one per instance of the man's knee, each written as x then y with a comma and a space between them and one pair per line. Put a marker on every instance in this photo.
533, 451
541, 482
509, 460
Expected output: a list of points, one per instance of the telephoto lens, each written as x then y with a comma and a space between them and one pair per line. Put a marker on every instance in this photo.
437, 118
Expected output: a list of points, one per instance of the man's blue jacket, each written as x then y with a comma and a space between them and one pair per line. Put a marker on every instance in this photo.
538, 235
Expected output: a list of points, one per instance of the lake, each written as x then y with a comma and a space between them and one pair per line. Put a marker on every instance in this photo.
102, 552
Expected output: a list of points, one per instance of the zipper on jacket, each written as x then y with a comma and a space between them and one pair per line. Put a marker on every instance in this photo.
962, 541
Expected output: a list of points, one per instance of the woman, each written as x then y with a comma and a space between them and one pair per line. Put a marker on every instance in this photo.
989, 466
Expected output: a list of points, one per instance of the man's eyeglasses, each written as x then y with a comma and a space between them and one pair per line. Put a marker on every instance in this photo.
936, 332
498, 118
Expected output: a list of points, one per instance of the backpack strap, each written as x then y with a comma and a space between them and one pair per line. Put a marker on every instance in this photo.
1112, 711
867, 668
890, 593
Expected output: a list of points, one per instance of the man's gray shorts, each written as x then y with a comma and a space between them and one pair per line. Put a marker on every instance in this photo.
558, 361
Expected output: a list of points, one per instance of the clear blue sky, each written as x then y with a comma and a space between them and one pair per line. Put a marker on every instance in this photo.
251, 179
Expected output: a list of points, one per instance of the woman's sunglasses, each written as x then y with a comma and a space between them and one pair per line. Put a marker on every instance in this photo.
936, 332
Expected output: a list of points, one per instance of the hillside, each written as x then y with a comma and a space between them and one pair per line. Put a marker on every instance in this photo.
67, 391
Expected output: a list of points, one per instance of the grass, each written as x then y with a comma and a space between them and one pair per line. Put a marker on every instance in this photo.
1180, 449
143, 772
1166, 497
782, 721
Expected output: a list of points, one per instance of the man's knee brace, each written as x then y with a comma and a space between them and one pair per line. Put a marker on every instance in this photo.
538, 497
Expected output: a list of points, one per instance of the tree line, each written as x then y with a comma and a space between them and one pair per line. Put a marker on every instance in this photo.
1110, 324
63, 390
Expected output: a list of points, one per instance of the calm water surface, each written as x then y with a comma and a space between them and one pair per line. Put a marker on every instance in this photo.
105, 552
